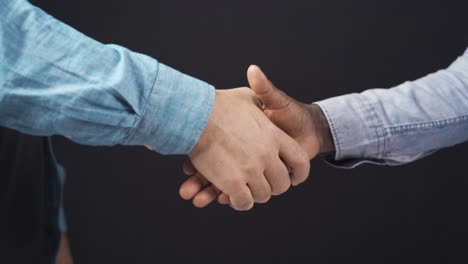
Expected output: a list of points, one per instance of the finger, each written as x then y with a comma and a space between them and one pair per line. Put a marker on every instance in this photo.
295, 158
277, 175
261, 189
223, 198
192, 186
206, 196
188, 168
271, 97
241, 198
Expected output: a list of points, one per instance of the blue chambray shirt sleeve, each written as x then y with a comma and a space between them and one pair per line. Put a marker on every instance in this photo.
399, 125
175, 115
56, 81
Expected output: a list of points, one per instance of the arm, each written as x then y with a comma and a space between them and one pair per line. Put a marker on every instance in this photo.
56, 81
402, 124
381, 126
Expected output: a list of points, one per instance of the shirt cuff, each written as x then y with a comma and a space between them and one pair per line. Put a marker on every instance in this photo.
357, 132
176, 113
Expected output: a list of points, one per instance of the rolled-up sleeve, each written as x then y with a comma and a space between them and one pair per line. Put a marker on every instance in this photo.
402, 124
175, 115
55, 80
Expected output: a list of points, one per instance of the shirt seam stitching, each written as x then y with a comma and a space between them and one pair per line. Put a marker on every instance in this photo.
378, 125
334, 133
416, 126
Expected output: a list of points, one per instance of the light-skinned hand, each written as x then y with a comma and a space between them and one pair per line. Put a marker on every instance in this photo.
243, 154
305, 123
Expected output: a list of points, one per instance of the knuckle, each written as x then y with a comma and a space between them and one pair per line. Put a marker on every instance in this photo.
231, 183
262, 195
262, 149
301, 159
263, 199
284, 182
304, 158
245, 205
250, 169
282, 188
264, 153
249, 206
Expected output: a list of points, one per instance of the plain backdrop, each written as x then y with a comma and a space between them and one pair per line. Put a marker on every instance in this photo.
122, 203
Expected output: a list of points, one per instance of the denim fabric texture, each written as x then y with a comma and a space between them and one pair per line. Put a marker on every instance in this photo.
402, 124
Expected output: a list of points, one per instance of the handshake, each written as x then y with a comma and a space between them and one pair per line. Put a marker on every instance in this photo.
257, 143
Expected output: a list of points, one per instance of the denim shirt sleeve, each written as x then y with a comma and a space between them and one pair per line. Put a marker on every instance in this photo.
56, 81
402, 124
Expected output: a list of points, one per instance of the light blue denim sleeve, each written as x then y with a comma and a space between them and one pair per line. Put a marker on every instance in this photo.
402, 124
56, 81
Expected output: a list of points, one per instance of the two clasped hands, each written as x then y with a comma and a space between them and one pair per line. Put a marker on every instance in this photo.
257, 143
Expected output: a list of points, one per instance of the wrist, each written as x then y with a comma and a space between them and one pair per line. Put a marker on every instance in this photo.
322, 129
208, 134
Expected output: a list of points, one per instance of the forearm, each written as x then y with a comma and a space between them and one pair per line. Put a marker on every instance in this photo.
402, 124
56, 81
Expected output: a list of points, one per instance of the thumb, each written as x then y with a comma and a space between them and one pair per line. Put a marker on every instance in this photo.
272, 97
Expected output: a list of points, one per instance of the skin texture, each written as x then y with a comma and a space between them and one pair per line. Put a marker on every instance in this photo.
64, 254
244, 155
284, 160
306, 124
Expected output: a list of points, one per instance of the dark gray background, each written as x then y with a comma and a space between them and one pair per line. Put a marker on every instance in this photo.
122, 203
